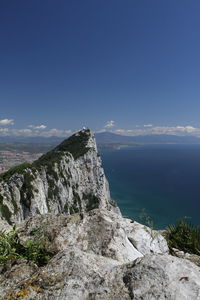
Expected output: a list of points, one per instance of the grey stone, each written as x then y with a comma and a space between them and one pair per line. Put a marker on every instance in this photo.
74, 185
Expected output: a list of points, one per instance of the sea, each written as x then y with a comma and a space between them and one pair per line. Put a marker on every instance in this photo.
156, 184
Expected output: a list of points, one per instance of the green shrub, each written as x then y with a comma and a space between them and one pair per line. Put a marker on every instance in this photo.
20, 169
6, 213
37, 252
75, 144
11, 248
91, 200
184, 236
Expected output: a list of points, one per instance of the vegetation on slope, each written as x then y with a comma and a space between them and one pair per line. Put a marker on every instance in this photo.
11, 248
20, 169
76, 145
184, 236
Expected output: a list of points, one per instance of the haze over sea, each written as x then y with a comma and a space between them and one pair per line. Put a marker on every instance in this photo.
162, 179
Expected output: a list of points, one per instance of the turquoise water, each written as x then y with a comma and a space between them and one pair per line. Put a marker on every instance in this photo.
162, 179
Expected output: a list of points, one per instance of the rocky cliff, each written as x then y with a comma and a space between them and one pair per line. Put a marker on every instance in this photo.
98, 255
68, 179
91, 251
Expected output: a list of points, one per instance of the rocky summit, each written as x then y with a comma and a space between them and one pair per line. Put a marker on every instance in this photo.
68, 179
72, 239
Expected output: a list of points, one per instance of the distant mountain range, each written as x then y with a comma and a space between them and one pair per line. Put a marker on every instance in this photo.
109, 138
112, 138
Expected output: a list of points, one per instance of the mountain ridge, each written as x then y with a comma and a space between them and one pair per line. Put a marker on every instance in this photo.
67, 179
107, 137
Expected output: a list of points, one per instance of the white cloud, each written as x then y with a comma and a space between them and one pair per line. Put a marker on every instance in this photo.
40, 127
21, 132
42, 131
130, 132
31, 132
147, 125
56, 132
5, 122
4, 131
109, 124
173, 130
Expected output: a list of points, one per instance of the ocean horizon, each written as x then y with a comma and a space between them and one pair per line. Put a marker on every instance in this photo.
162, 181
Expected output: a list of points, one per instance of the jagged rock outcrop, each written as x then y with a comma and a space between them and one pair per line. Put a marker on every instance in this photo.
96, 254
95, 260
191, 257
68, 179
101, 232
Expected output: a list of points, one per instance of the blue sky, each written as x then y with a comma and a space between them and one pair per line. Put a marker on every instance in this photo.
116, 65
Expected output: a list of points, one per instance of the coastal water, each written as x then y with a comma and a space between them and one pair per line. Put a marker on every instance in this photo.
162, 179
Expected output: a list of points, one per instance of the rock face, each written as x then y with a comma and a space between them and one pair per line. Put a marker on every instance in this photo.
97, 254
95, 260
68, 179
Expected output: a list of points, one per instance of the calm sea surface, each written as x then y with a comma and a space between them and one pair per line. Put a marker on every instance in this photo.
162, 179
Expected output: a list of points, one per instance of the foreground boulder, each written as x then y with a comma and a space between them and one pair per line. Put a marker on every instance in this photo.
94, 258
99, 231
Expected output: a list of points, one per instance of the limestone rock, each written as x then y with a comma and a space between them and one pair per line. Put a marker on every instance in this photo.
164, 277
4, 226
191, 257
68, 179
99, 231
84, 269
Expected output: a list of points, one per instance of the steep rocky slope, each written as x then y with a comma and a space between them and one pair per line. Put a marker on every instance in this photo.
68, 179
96, 254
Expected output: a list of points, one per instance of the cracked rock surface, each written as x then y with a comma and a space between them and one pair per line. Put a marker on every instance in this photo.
95, 259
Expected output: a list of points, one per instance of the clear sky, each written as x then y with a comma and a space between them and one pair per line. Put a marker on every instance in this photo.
65, 64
